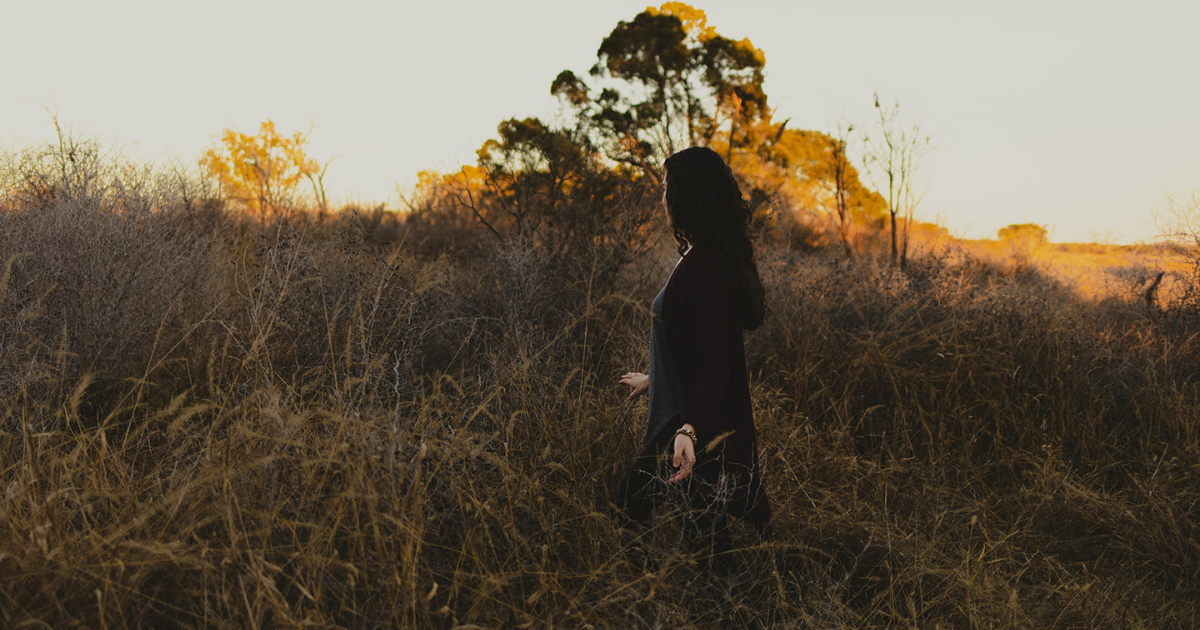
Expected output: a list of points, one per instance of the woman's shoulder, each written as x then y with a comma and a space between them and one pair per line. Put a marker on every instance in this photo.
699, 263
699, 274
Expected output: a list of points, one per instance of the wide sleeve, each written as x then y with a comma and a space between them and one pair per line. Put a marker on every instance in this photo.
707, 307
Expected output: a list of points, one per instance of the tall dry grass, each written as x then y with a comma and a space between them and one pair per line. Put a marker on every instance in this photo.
319, 422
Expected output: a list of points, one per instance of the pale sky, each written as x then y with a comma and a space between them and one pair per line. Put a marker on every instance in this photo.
1070, 114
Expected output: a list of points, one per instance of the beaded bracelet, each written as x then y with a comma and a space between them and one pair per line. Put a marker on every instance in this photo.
691, 435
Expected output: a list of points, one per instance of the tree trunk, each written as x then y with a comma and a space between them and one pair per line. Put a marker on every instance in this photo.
894, 255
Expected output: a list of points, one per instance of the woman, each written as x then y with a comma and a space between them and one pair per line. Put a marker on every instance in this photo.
699, 390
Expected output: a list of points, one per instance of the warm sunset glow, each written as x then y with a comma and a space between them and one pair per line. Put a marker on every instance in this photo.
1067, 114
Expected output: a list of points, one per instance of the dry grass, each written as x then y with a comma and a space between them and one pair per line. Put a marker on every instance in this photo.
308, 424
1094, 271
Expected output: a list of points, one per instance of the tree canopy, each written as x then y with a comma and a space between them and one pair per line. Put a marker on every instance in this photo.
261, 171
1031, 233
662, 82
665, 81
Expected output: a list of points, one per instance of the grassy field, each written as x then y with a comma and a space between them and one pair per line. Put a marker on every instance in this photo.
326, 421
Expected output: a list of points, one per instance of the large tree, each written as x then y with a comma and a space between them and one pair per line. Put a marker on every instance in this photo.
812, 174
665, 81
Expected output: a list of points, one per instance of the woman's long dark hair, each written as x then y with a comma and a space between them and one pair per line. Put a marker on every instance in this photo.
707, 210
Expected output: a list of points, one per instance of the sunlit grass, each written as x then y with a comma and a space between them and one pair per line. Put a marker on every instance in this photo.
308, 425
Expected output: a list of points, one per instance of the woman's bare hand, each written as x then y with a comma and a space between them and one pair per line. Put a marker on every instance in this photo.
638, 381
685, 455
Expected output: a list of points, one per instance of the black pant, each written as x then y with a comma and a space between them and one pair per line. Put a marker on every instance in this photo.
704, 494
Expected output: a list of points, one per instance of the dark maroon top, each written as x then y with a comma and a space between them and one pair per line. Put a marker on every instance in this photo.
704, 333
